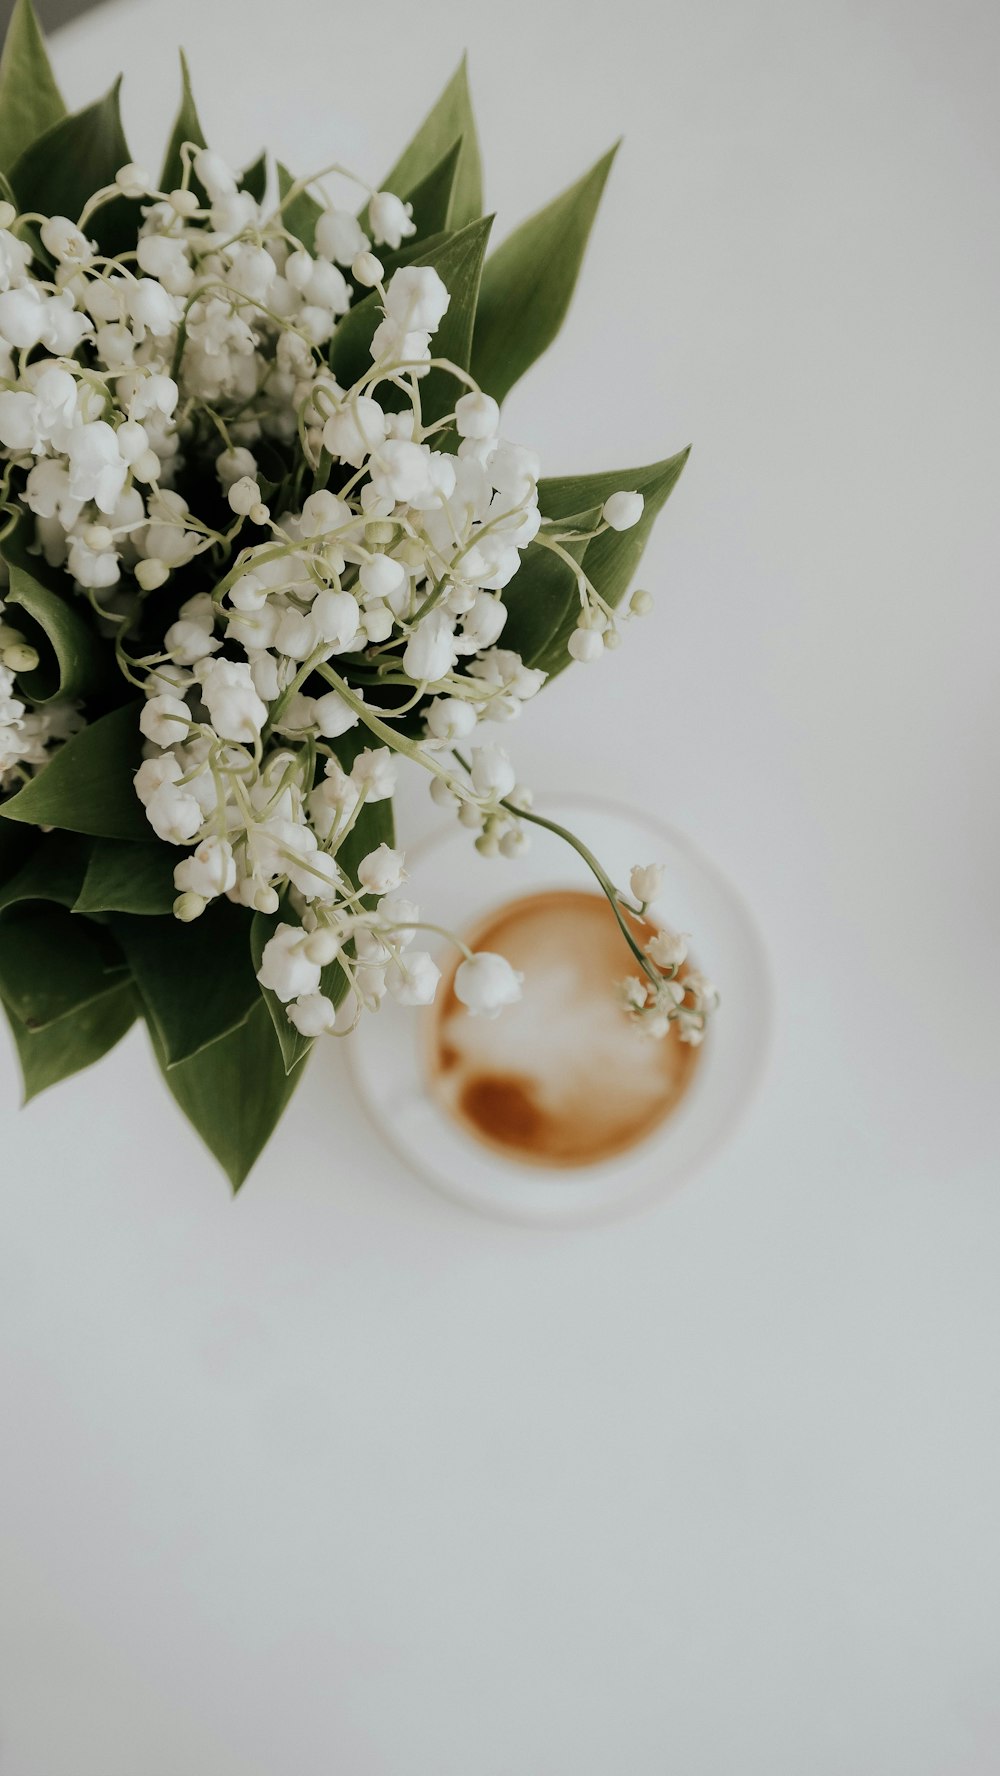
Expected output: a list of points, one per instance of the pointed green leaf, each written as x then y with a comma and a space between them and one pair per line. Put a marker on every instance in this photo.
87, 785
461, 269
542, 599
301, 215
30, 100
73, 660
52, 962
124, 877
72, 1042
234, 1092
529, 280
187, 128
459, 263
450, 119
434, 198
254, 177
74, 158
53, 871
196, 981
609, 560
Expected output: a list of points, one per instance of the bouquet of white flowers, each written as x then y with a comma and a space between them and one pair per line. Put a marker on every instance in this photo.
262, 537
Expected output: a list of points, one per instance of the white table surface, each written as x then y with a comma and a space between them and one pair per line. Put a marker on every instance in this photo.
339, 1480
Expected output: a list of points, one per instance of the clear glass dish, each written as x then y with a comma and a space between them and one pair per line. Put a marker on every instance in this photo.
457, 888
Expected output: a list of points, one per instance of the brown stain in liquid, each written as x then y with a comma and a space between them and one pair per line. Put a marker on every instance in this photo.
563, 1078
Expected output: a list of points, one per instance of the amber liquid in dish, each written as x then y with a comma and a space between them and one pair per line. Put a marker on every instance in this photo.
563, 1078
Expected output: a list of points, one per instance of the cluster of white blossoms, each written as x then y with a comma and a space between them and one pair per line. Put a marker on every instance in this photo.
144, 400
663, 996
26, 734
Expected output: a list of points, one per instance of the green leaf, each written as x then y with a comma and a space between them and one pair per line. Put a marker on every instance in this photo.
30, 100
458, 260
16, 845
187, 128
87, 785
72, 1042
254, 177
53, 871
609, 561
125, 877
302, 214
434, 198
529, 281
234, 1092
450, 119
73, 661
196, 981
52, 962
74, 158
542, 599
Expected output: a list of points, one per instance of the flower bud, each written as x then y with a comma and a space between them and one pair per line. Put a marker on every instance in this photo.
367, 271
20, 657
380, 533
515, 842
441, 795
622, 510
477, 416
382, 870
323, 946
485, 983
146, 467
133, 181
449, 719
184, 203
641, 604
132, 441
188, 907
646, 881
152, 573
312, 1014
244, 495
586, 645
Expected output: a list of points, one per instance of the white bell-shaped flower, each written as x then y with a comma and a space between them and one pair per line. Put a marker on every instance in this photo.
485, 983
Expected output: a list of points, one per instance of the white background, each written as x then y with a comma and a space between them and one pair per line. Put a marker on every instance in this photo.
338, 1480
